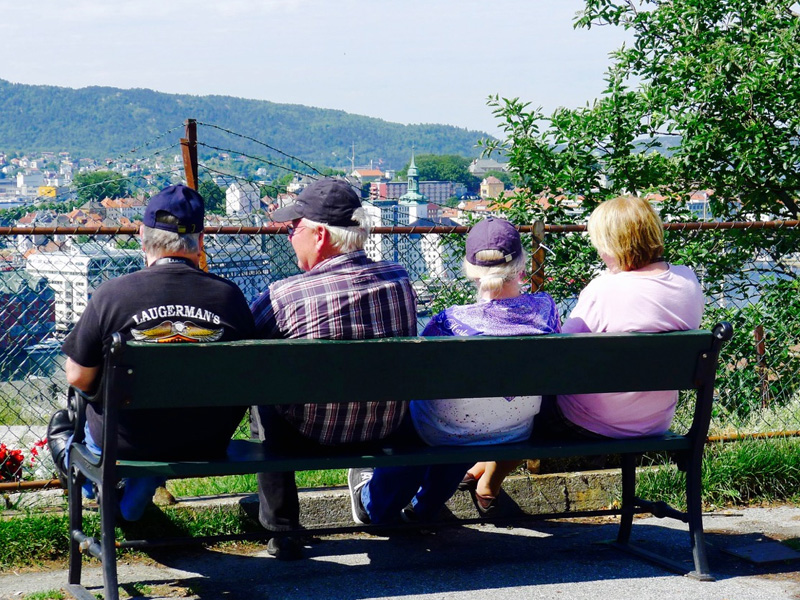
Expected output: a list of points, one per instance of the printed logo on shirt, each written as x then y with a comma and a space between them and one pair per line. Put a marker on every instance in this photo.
167, 311
177, 331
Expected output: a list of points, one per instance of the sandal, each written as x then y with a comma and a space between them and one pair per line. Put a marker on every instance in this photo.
486, 505
469, 483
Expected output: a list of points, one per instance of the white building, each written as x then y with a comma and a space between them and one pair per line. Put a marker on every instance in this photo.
242, 198
428, 256
76, 273
129, 208
28, 183
244, 259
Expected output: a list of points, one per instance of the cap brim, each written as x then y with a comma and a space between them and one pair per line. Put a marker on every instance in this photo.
287, 213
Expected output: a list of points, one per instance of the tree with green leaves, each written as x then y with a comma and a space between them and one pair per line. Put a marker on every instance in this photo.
707, 96
99, 185
213, 196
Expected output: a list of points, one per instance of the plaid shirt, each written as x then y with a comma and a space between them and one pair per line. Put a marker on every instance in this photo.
346, 297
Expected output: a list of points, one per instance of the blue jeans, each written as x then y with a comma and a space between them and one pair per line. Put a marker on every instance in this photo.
138, 490
426, 487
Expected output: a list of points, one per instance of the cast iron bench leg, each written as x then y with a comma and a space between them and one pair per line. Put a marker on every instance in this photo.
75, 525
628, 498
694, 513
109, 548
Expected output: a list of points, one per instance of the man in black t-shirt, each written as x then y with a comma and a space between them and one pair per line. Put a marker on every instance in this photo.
171, 300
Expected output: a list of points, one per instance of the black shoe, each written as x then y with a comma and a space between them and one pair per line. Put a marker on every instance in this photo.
285, 548
408, 515
59, 430
356, 480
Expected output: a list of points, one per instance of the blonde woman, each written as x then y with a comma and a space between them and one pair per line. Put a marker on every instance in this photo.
495, 262
638, 291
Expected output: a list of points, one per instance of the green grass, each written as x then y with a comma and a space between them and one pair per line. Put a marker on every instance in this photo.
246, 484
48, 595
35, 538
743, 472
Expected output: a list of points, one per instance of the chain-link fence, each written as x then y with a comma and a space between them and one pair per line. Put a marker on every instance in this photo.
49, 276
57, 247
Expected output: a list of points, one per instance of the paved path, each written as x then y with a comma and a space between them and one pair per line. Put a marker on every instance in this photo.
546, 560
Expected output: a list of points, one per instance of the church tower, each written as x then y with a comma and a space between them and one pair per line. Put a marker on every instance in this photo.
413, 205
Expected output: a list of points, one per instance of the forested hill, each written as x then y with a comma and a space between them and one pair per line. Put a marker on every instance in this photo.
101, 122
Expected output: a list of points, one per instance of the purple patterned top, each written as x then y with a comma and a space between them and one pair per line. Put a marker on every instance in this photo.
528, 314
474, 421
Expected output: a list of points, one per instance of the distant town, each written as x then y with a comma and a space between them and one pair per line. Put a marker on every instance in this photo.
48, 279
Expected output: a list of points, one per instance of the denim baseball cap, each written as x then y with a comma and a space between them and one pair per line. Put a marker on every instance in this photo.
330, 201
493, 234
180, 201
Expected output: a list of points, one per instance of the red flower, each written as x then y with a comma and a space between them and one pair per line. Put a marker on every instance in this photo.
10, 463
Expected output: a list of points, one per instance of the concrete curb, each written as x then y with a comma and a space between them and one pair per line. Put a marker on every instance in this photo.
330, 507
532, 494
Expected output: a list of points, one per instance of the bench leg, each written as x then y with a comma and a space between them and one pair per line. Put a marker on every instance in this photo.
75, 525
108, 540
694, 513
693, 517
628, 498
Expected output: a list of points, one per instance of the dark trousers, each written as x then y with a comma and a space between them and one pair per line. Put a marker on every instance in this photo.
278, 503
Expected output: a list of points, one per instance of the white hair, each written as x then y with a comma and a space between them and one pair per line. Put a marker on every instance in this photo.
490, 280
347, 239
161, 242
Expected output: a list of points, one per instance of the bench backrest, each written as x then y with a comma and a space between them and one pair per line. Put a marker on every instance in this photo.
146, 375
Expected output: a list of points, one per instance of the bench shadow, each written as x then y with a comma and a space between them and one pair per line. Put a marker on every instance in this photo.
448, 560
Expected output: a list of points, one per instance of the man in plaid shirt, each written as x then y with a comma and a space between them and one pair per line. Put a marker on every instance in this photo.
342, 295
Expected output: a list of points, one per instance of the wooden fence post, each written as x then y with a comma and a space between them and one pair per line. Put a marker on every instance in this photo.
189, 147
761, 365
537, 257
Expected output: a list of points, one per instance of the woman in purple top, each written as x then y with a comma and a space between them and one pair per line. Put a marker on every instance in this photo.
638, 291
496, 262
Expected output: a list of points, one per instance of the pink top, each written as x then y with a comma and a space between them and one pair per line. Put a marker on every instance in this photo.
629, 301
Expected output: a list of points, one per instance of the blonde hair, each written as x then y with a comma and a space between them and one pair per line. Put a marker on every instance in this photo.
629, 230
347, 239
490, 280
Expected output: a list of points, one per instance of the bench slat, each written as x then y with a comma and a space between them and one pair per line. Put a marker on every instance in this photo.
334, 371
245, 456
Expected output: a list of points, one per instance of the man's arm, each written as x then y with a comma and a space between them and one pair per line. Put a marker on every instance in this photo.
81, 377
264, 317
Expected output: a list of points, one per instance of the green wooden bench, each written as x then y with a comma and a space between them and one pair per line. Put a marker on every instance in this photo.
285, 371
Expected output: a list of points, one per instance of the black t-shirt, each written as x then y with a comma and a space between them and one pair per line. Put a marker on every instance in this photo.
171, 301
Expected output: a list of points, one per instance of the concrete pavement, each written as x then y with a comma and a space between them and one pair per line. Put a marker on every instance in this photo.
550, 559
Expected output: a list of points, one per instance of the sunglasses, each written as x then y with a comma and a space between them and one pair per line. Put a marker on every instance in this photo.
291, 229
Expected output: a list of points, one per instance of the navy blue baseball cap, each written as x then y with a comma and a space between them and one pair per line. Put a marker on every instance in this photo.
330, 201
180, 201
493, 234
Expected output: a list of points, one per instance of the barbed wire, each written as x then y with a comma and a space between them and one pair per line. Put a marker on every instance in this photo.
145, 144
256, 158
301, 161
252, 139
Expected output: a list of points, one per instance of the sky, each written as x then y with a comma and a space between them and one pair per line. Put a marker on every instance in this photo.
405, 61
